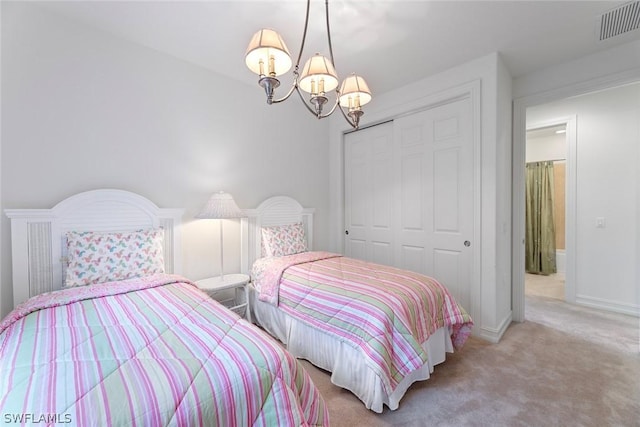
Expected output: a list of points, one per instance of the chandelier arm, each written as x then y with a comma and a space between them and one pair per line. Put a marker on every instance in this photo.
353, 125
332, 110
326, 13
304, 102
284, 98
304, 34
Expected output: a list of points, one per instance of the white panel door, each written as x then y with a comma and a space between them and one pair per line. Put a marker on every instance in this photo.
409, 195
434, 212
369, 194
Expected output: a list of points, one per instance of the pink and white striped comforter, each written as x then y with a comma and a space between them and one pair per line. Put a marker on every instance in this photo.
386, 312
154, 351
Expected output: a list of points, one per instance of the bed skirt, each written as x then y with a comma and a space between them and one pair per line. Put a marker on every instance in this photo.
348, 365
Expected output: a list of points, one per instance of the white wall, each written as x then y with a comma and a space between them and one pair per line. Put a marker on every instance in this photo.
491, 294
608, 152
82, 109
550, 147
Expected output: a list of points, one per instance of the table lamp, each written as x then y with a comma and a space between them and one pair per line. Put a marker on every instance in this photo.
220, 206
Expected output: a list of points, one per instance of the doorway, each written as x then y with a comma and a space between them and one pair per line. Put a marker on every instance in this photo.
603, 273
546, 188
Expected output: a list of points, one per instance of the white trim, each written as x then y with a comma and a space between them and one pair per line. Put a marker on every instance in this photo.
520, 106
494, 335
37, 235
608, 305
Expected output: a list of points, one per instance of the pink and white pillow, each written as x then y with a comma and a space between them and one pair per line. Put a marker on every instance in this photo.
283, 240
104, 257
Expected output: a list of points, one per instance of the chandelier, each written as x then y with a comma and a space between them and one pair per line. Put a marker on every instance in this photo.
268, 56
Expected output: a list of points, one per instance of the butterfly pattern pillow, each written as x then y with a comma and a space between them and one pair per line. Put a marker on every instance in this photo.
104, 257
283, 240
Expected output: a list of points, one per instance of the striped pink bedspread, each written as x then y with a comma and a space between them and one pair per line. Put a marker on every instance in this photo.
154, 351
386, 312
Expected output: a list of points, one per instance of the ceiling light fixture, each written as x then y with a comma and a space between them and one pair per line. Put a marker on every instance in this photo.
268, 56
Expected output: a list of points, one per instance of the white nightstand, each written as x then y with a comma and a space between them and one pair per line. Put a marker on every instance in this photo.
238, 282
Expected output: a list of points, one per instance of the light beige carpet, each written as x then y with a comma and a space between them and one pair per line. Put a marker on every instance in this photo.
538, 375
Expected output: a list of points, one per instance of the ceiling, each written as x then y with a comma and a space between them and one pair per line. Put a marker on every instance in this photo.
390, 43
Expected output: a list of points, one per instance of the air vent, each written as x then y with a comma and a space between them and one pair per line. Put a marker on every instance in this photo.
620, 20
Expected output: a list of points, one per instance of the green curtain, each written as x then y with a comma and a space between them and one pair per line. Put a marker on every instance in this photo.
540, 235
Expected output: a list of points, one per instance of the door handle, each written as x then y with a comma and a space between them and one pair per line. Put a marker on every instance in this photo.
467, 243
346, 232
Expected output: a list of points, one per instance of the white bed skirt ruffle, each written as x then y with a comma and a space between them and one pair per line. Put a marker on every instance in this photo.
348, 365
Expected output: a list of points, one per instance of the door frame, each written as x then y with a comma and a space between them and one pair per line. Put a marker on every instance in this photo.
520, 106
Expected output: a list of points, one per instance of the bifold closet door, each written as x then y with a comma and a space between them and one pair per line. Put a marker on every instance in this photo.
409, 194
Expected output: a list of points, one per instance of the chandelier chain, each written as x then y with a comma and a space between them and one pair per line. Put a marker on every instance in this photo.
326, 14
304, 35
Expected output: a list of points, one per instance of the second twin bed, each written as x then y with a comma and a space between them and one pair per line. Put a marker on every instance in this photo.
376, 328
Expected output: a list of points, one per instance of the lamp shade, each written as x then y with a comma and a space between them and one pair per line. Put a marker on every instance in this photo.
354, 92
318, 75
220, 206
267, 53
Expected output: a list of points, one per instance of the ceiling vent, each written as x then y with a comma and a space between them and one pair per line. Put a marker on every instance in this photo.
620, 20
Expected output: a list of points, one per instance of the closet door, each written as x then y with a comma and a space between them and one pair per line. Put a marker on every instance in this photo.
409, 195
434, 207
369, 194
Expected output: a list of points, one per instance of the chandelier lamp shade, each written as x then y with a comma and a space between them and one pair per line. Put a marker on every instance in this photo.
220, 206
318, 75
268, 52
268, 57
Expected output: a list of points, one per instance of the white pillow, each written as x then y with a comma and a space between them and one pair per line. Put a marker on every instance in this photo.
283, 240
103, 257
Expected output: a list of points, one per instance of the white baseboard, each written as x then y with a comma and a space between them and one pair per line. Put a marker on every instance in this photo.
608, 305
494, 335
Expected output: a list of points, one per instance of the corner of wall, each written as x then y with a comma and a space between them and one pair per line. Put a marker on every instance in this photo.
504, 199
494, 335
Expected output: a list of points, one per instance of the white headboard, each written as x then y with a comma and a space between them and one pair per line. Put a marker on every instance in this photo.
37, 235
278, 210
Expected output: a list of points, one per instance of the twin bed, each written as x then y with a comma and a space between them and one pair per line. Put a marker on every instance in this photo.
128, 341
377, 329
145, 350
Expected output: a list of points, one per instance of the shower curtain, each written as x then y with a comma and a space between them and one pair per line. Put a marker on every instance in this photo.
540, 235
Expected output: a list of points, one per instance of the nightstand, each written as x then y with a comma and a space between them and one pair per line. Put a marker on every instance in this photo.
214, 286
